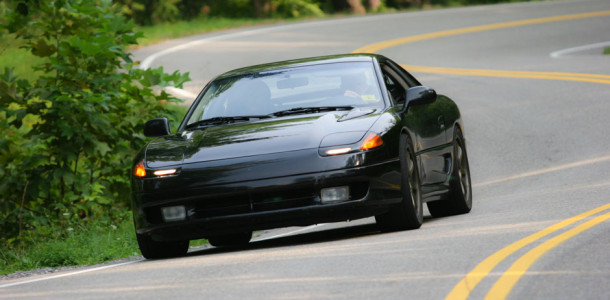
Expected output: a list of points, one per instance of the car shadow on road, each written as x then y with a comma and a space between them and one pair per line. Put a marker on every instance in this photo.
336, 234
321, 236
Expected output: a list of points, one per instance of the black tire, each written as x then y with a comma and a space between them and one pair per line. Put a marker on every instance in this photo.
460, 188
153, 250
231, 240
409, 213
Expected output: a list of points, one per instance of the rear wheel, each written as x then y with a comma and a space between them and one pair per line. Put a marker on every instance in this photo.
409, 213
152, 249
460, 190
231, 240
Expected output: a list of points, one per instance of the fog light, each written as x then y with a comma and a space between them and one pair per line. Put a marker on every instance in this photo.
174, 213
333, 194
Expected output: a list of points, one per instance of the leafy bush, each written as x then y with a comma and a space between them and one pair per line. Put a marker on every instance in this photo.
296, 8
68, 137
148, 12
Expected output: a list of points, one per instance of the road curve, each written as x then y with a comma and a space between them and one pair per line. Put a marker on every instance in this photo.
537, 141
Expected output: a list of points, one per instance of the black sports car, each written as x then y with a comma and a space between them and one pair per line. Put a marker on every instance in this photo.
296, 143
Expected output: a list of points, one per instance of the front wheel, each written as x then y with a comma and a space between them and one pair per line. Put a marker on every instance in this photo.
152, 249
460, 190
409, 213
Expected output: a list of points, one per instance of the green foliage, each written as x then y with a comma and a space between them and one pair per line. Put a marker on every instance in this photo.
68, 136
20, 60
296, 8
148, 12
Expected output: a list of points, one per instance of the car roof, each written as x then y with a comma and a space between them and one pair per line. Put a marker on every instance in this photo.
287, 64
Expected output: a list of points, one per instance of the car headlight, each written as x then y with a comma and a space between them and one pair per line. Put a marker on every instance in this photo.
140, 171
165, 172
348, 142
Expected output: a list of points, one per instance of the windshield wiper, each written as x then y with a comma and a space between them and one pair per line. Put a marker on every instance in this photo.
308, 110
225, 120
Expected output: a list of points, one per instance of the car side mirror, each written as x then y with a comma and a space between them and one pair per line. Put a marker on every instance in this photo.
419, 95
157, 127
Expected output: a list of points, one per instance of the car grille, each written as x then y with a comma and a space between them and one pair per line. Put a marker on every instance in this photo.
240, 203
252, 202
289, 199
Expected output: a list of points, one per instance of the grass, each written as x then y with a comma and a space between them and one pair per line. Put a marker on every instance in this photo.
81, 245
607, 51
95, 243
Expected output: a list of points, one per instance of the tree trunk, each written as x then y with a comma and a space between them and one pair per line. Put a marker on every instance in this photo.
260, 8
356, 7
373, 5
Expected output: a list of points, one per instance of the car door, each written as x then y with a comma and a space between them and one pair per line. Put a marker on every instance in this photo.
425, 122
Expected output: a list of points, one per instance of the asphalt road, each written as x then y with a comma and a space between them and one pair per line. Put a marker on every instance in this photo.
536, 113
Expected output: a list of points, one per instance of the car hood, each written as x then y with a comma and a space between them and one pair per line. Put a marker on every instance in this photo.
266, 136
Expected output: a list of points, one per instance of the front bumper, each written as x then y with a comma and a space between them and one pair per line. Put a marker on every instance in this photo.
226, 203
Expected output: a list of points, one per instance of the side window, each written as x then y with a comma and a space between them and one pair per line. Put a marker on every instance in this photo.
411, 81
396, 86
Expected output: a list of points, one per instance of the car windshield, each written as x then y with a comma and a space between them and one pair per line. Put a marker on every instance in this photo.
340, 85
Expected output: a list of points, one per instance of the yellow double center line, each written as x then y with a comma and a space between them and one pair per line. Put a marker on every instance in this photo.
596, 78
503, 286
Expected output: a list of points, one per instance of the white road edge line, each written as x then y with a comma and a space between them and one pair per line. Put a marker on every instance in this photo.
181, 93
559, 53
186, 95
145, 63
66, 274
289, 233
